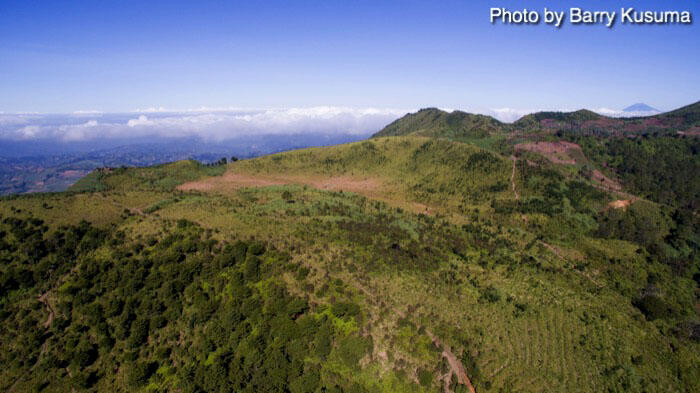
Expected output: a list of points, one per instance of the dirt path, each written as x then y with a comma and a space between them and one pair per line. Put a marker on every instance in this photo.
456, 367
455, 364
512, 178
52, 314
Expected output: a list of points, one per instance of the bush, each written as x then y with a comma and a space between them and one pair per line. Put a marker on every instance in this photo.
252, 268
425, 377
139, 332
491, 294
351, 349
345, 309
256, 248
139, 373
85, 354
653, 307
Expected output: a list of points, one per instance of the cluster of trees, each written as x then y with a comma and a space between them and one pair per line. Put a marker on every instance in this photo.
94, 309
222, 161
663, 169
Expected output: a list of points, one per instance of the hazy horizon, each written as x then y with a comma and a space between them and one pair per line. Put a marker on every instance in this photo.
212, 124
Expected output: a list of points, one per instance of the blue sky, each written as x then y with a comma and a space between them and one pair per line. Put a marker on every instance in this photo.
65, 56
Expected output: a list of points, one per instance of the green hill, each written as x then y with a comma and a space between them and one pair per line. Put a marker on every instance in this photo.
397, 264
437, 123
688, 115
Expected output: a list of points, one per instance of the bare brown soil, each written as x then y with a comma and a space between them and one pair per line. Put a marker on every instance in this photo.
44, 300
620, 204
558, 152
231, 180
359, 186
455, 365
370, 187
695, 131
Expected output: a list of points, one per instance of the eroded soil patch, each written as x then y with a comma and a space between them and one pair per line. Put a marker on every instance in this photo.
558, 152
370, 187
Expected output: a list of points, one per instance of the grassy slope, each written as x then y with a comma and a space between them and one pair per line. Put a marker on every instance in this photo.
443, 175
435, 122
528, 300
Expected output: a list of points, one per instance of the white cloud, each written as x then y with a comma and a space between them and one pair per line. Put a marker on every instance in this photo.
29, 132
509, 115
207, 123
87, 113
221, 123
141, 121
619, 113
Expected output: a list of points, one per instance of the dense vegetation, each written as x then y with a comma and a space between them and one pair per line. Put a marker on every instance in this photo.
177, 312
434, 122
376, 266
663, 169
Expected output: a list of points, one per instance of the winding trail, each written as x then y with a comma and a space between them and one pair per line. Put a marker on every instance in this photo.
512, 178
455, 364
52, 314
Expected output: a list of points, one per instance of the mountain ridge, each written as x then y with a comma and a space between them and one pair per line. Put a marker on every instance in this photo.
436, 122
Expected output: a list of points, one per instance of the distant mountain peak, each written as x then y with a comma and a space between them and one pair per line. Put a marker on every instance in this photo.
640, 107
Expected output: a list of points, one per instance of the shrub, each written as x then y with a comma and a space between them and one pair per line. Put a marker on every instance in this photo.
139, 373
425, 377
491, 294
653, 307
345, 309
139, 332
252, 268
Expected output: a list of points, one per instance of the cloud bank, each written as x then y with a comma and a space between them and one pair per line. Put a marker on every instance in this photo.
215, 124
208, 124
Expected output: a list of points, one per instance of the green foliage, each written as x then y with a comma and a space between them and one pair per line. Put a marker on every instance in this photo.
663, 169
160, 177
491, 294
255, 340
139, 373
642, 223
653, 307
241, 291
434, 122
425, 377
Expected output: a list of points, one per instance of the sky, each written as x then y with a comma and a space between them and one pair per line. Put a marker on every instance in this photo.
387, 56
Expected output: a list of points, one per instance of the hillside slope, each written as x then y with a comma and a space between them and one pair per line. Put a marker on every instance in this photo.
437, 123
655, 157
398, 264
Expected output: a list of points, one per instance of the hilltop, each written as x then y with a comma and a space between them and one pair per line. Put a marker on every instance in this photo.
452, 253
435, 122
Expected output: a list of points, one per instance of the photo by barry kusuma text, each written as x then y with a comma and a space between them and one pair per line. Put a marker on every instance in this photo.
579, 16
